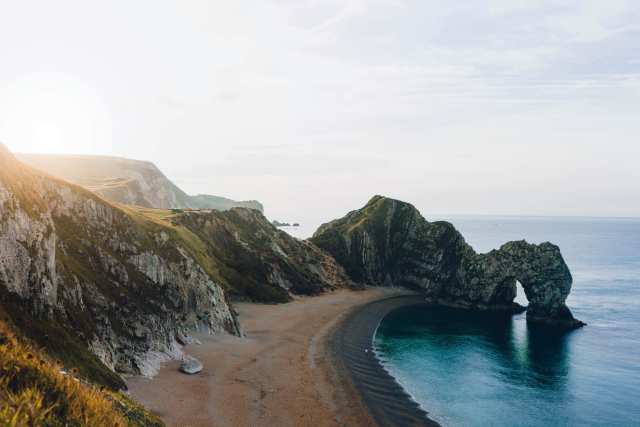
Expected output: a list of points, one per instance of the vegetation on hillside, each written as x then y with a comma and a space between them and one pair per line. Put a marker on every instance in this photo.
35, 391
242, 251
128, 181
64, 345
106, 283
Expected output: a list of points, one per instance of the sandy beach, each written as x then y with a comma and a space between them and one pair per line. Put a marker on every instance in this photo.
280, 374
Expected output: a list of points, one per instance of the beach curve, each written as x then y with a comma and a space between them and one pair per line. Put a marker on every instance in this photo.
283, 372
354, 355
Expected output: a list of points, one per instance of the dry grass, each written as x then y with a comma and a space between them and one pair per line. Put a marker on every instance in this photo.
157, 220
34, 391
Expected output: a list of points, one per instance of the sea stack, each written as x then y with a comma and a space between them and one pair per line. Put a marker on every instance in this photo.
389, 243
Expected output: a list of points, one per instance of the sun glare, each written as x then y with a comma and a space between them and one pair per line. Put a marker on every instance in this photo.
54, 115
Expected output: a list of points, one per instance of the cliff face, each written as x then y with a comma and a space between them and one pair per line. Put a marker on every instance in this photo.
84, 278
388, 243
257, 261
114, 288
131, 182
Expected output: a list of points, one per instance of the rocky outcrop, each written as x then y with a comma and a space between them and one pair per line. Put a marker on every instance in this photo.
131, 182
258, 262
388, 243
541, 271
110, 287
91, 281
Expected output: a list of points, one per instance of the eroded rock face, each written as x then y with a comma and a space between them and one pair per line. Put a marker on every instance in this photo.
86, 278
78, 274
541, 271
257, 261
388, 243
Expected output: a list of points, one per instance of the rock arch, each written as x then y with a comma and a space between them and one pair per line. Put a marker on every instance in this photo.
388, 243
543, 274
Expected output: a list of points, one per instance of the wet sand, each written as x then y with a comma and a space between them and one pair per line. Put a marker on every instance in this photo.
286, 371
353, 354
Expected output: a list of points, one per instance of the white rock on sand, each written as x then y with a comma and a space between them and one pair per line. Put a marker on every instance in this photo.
286, 351
190, 365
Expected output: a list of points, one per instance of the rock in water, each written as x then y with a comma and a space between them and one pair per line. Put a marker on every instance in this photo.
388, 243
190, 365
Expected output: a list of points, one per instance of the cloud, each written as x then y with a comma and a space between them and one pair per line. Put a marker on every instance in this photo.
300, 102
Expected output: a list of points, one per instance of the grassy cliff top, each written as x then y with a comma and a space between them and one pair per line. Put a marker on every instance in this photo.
127, 181
377, 210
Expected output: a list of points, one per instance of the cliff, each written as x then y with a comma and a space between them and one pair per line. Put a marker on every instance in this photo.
113, 288
101, 287
388, 243
131, 182
257, 261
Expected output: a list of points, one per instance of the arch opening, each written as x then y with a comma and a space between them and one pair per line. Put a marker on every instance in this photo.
521, 296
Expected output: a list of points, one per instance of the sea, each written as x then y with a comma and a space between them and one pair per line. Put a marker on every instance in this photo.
470, 369
491, 370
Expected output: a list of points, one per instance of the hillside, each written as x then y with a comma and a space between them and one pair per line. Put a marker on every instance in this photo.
388, 243
101, 288
127, 181
259, 262
110, 288
35, 391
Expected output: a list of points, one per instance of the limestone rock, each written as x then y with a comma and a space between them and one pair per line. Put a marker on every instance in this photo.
190, 365
388, 243
259, 262
184, 339
115, 288
93, 282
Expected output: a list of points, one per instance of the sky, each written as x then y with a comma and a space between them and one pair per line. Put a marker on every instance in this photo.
498, 107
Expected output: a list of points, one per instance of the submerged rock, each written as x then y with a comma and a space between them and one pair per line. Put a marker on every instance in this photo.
190, 365
388, 243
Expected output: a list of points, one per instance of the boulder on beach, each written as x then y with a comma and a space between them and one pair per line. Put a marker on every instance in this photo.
190, 365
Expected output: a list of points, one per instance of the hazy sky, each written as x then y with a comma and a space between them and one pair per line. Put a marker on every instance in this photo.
495, 107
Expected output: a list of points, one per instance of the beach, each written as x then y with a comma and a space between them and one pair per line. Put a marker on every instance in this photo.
353, 354
286, 371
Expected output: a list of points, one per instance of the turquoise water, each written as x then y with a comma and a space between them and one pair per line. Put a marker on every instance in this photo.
487, 370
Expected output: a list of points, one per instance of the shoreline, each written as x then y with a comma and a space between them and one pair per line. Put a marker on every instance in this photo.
280, 373
354, 355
